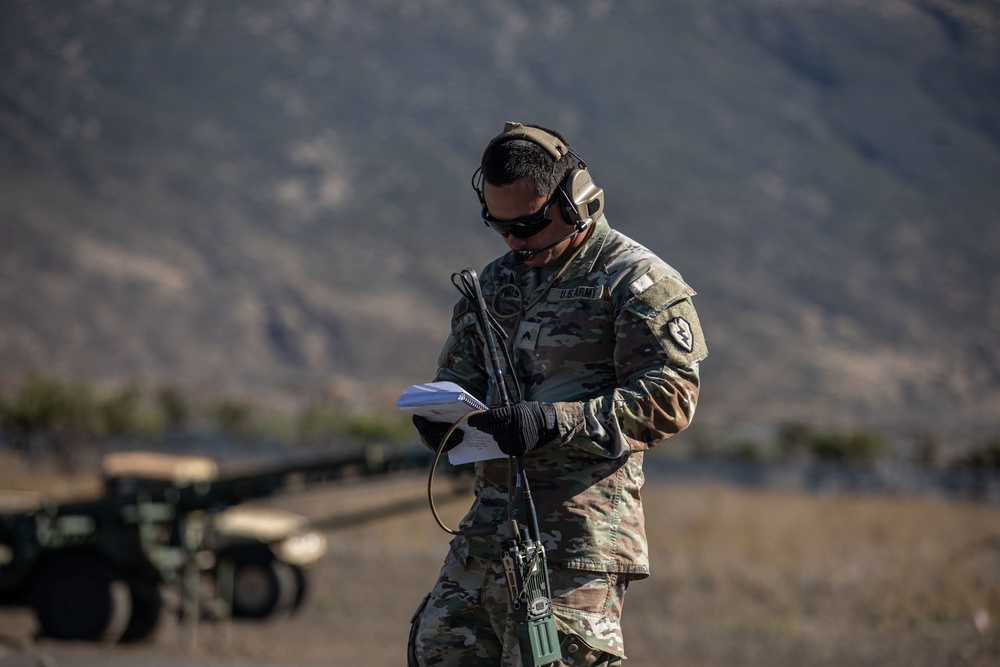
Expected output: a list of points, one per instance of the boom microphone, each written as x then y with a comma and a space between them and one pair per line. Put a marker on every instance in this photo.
525, 255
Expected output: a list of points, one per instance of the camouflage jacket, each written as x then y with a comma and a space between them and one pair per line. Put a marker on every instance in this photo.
614, 342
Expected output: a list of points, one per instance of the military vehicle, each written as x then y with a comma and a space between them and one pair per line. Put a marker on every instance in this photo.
98, 569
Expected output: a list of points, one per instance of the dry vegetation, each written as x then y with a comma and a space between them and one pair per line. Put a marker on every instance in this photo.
776, 578
739, 578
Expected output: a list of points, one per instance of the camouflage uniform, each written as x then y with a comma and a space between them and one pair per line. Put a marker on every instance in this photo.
614, 342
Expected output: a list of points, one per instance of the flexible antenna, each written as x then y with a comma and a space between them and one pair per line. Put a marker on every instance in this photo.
473, 292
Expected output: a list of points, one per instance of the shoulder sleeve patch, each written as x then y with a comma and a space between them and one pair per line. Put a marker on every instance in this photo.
680, 329
665, 305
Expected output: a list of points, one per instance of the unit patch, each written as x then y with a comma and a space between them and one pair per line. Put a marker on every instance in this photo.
582, 293
680, 331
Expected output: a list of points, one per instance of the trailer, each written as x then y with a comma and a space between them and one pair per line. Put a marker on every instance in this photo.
97, 570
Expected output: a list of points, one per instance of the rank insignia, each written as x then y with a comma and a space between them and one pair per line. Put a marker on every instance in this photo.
527, 335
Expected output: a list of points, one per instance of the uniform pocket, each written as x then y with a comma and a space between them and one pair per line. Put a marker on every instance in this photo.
587, 607
585, 633
411, 656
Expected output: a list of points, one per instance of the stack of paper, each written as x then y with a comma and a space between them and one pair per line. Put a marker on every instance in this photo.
447, 402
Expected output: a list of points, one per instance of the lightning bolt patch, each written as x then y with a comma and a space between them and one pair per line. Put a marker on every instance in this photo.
680, 332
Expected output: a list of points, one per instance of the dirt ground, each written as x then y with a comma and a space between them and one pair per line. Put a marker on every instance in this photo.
739, 578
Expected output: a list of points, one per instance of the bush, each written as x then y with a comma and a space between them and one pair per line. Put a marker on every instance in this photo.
856, 447
749, 452
48, 417
235, 418
801, 440
795, 439
927, 451
369, 428
318, 423
986, 457
121, 411
173, 407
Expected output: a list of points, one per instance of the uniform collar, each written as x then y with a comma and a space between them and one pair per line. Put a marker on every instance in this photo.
585, 261
581, 264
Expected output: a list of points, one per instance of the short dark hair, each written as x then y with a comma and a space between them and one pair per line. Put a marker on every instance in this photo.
512, 159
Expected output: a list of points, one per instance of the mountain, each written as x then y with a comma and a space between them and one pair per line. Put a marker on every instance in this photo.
270, 198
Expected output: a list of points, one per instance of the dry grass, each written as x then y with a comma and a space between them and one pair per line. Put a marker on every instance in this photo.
48, 479
767, 576
739, 578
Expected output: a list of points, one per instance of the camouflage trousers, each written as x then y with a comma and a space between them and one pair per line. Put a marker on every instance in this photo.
465, 620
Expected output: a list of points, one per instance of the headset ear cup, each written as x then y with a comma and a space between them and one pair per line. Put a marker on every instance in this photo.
585, 200
569, 208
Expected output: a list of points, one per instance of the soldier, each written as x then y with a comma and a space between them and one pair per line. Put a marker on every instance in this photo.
606, 346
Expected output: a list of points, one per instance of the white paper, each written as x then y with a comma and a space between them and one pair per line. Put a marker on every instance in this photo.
447, 402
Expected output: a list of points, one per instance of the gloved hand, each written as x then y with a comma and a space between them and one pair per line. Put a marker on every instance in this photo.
433, 432
519, 428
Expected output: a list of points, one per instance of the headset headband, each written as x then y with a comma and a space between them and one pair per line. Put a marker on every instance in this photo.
511, 130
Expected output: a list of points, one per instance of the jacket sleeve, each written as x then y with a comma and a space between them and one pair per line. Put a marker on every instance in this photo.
659, 345
461, 358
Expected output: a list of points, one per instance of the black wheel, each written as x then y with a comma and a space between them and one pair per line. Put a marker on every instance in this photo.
147, 609
302, 587
262, 585
79, 596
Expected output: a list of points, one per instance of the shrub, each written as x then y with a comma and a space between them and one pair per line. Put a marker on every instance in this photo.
235, 418
173, 407
48, 417
795, 439
318, 423
121, 411
859, 446
369, 428
856, 447
985, 457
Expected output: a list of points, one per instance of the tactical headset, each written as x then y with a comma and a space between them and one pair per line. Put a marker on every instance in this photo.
582, 201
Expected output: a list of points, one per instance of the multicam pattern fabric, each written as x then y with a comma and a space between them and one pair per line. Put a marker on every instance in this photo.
613, 341
464, 622
598, 344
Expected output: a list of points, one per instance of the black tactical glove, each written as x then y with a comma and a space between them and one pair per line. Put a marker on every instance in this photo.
433, 432
519, 428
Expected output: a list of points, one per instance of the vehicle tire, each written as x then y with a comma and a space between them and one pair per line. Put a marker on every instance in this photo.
262, 584
147, 609
303, 585
79, 596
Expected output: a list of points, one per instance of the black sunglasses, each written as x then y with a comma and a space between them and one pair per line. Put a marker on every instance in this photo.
526, 225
